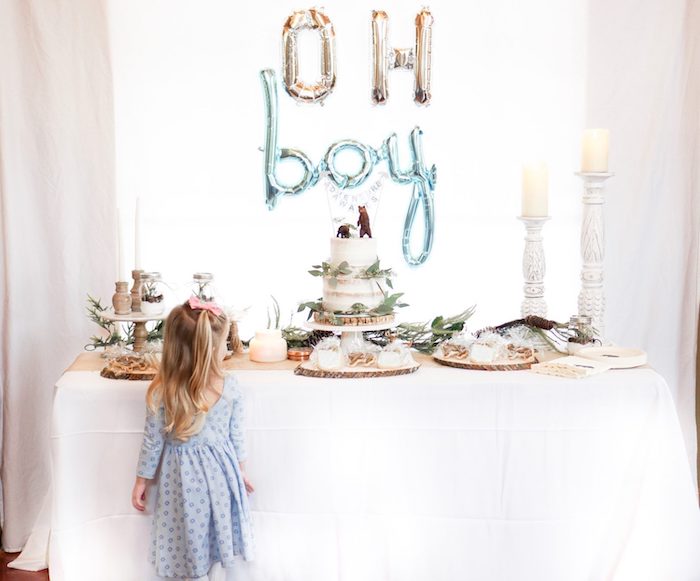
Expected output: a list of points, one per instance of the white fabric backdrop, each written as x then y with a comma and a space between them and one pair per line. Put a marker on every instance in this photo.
644, 83
512, 81
57, 225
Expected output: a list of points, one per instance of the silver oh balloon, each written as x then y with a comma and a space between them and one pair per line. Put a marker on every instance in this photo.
417, 59
312, 19
417, 174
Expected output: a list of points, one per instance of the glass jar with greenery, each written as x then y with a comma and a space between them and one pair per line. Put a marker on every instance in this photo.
152, 293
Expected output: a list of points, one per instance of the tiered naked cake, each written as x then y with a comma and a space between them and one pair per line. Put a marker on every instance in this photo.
356, 299
354, 285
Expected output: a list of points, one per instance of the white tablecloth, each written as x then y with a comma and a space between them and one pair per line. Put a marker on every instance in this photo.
444, 475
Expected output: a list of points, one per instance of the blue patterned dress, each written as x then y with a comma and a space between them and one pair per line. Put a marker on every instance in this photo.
201, 515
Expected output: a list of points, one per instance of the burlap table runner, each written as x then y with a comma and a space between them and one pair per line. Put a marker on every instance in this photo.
93, 361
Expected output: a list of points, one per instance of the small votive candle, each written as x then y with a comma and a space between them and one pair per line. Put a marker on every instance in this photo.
267, 346
594, 151
535, 190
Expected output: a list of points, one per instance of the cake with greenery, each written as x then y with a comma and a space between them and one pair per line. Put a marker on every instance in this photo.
357, 290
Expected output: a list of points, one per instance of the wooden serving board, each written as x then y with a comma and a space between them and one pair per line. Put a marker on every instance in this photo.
524, 364
309, 369
146, 375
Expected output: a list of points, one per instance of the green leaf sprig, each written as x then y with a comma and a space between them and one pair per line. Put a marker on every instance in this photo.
426, 336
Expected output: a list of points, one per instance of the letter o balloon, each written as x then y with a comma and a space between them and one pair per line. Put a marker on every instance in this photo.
312, 19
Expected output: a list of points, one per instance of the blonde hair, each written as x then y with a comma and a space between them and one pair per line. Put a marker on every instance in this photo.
189, 363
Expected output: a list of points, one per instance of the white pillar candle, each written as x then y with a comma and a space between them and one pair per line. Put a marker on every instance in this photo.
594, 151
268, 346
137, 235
535, 190
120, 253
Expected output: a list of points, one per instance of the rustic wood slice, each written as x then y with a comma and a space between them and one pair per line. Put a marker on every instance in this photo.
308, 369
352, 320
460, 364
111, 373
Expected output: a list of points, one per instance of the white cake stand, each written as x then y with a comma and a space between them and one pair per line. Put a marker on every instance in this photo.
351, 338
139, 319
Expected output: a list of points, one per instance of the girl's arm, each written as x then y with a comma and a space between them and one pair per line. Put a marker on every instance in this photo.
152, 445
238, 437
149, 458
236, 426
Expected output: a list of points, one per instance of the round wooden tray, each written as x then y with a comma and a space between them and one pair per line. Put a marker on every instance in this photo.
308, 369
121, 367
485, 366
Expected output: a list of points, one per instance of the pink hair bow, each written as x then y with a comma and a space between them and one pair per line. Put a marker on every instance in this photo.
198, 304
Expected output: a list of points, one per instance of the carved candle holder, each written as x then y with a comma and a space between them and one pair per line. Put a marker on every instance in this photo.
136, 291
533, 267
591, 299
121, 300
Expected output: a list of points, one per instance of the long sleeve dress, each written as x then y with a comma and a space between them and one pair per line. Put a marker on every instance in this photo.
201, 515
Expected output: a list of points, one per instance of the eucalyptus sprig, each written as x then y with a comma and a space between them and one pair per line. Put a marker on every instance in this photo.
375, 271
327, 270
313, 306
426, 336
388, 305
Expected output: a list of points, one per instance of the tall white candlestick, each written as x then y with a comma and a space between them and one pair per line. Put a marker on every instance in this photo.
591, 299
535, 190
594, 151
533, 268
137, 235
120, 253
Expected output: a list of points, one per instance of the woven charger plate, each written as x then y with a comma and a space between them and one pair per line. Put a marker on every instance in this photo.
523, 364
308, 369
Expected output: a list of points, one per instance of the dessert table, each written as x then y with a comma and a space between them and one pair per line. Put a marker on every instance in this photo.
444, 475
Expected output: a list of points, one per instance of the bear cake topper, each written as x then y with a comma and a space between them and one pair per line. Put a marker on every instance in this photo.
346, 230
363, 222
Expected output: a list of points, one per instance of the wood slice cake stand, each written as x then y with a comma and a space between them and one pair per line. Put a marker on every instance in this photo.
308, 369
139, 319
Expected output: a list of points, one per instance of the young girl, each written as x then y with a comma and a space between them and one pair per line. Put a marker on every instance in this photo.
193, 421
